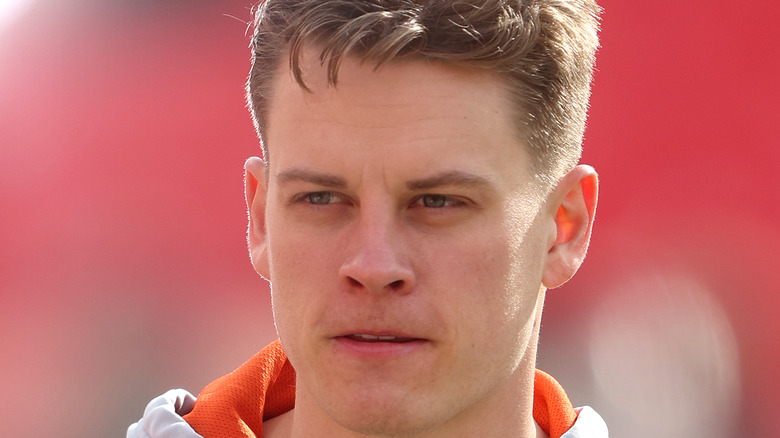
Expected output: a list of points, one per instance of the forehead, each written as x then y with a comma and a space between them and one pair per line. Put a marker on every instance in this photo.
424, 110
390, 89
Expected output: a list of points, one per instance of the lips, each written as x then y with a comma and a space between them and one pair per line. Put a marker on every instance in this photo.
379, 346
362, 337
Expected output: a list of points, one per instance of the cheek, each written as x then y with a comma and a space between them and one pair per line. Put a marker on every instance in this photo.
302, 275
473, 277
491, 306
497, 275
298, 254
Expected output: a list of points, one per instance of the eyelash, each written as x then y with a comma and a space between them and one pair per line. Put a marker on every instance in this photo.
307, 197
447, 200
420, 200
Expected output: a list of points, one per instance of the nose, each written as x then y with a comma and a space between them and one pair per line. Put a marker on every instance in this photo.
377, 260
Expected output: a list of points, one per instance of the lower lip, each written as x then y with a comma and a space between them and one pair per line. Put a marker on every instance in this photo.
378, 350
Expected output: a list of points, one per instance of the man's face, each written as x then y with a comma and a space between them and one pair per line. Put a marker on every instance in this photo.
405, 244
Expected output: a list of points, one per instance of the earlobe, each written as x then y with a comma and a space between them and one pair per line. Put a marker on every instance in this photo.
573, 203
256, 190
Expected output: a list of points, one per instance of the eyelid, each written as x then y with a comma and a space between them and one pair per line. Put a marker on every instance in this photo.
302, 197
450, 201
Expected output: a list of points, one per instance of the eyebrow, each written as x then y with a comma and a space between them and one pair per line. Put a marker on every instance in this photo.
318, 178
446, 178
449, 178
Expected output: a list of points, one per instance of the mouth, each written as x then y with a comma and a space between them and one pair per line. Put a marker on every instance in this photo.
379, 346
362, 337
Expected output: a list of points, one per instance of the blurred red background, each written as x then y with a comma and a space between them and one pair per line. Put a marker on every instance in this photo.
123, 264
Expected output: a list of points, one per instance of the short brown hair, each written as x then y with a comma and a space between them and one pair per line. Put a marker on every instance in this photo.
544, 49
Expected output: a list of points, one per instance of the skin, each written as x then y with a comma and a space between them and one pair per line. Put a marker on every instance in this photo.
399, 203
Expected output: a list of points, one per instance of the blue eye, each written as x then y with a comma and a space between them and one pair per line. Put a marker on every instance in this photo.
319, 198
439, 201
434, 201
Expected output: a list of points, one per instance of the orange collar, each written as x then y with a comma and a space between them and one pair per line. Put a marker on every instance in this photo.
235, 405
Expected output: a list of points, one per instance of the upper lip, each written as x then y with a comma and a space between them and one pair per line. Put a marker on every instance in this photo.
379, 334
367, 337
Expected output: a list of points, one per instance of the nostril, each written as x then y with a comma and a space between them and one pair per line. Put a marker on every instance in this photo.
396, 284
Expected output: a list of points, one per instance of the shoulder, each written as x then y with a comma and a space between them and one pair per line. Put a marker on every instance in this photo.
163, 417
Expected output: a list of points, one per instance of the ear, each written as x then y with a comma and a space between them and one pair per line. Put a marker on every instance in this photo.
573, 204
256, 190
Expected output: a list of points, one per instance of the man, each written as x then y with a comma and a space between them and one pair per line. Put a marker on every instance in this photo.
419, 194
